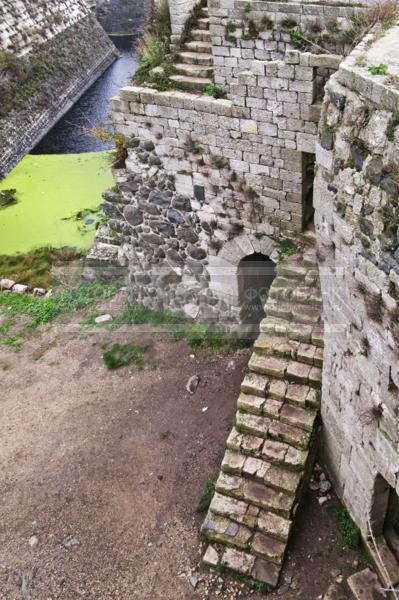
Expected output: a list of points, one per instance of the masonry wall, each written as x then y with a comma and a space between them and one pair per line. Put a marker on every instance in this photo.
123, 16
357, 219
245, 31
179, 13
236, 169
51, 53
24, 23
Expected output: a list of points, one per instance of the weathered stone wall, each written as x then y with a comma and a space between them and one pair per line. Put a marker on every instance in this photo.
245, 31
25, 23
238, 170
179, 13
124, 16
357, 219
39, 85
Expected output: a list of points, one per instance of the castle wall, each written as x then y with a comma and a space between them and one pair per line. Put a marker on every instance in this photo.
245, 31
237, 167
51, 53
357, 219
123, 16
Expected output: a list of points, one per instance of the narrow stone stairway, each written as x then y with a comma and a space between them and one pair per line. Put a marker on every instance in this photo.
194, 71
269, 450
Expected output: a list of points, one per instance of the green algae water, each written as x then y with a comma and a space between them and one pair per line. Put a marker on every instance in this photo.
51, 188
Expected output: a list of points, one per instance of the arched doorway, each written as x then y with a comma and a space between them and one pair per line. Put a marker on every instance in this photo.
255, 276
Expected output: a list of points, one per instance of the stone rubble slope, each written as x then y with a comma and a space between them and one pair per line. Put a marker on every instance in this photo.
269, 450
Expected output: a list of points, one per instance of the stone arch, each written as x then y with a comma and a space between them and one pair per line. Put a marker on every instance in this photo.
224, 268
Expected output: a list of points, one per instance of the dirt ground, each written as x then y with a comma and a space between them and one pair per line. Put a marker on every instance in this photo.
101, 472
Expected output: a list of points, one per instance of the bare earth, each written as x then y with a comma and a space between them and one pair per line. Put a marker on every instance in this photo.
101, 473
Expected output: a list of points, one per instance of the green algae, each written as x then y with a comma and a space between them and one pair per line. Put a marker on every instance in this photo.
51, 188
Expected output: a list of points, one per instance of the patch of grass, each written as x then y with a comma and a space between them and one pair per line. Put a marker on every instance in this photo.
287, 248
220, 162
5, 367
349, 531
262, 588
201, 336
392, 125
139, 315
206, 497
298, 39
43, 310
380, 69
123, 355
34, 268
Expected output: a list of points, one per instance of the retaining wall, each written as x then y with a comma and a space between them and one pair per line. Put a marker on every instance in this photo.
46, 71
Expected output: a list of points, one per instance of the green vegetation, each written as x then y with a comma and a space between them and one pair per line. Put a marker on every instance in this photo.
123, 355
201, 336
287, 248
139, 314
262, 588
251, 32
7, 198
206, 497
213, 90
34, 268
154, 48
378, 69
38, 311
50, 188
118, 155
392, 125
348, 529
298, 40
220, 162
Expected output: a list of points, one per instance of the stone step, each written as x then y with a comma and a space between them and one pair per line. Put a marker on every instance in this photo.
389, 560
268, 548
193, 70
284, 348
251, 516
200, 35
293, 311
198, 46
302, 332
203, 23
196, 58
274, 476
255, 493
195, 84
267, 428
301, 294
247, 565
292, 270
365, 585
260, 393
278, 453
222, 529
283, 368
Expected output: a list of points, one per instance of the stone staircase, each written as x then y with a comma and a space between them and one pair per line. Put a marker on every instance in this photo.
269, 451
194, 69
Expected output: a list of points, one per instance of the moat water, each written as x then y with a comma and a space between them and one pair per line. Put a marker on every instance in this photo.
67, 172
70, 134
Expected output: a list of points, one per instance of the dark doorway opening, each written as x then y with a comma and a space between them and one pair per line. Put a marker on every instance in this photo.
384, 518
308, 169
255, 276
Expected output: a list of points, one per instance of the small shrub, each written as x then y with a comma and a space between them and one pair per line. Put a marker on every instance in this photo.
251, 32
378, 69
267, 22
206, 497
392, 125
287, 248
123, 355
213, 90
349, 531
262, 588
231, 27
119, 154
298, 40
288, 23
220, 162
